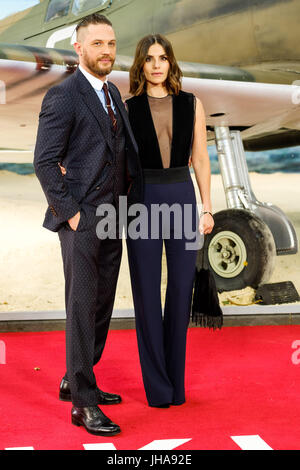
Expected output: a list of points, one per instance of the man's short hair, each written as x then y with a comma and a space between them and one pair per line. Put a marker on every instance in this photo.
94, 18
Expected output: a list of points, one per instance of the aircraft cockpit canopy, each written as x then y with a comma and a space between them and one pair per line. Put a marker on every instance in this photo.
60, 8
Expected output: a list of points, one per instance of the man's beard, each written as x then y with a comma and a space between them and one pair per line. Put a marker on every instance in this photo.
95, 67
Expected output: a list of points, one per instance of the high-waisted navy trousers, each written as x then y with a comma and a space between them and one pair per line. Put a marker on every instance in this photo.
162, 338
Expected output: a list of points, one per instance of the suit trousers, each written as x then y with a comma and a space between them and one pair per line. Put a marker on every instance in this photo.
162, 338
91, 269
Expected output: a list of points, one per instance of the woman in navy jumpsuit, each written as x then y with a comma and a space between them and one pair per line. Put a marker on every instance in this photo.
170, 130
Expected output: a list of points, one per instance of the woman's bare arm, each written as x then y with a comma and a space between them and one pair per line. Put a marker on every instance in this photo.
201, 165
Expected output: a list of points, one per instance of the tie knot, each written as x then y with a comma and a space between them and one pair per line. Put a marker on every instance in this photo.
107, 97
105, 87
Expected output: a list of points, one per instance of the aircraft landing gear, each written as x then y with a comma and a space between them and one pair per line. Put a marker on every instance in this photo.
242, 248
240, 251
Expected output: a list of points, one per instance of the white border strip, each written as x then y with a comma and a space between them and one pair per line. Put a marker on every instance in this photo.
54, 315
129, 313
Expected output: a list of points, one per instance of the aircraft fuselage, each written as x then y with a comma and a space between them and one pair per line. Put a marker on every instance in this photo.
259, 36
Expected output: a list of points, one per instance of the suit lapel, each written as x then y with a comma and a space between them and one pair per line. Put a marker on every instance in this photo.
118, 102
92, 101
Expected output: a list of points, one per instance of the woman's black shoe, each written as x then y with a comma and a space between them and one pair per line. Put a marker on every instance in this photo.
164, 405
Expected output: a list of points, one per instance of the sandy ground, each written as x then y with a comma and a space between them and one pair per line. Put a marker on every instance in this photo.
31, 275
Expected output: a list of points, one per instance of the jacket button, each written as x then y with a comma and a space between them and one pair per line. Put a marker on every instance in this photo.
98, 187
53, 211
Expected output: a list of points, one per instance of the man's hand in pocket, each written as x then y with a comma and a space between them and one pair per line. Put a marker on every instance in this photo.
74, 221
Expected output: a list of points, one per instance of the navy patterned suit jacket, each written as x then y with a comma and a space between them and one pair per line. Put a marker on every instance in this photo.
74, 131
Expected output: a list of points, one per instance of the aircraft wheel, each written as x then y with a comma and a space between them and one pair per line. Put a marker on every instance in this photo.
240, 251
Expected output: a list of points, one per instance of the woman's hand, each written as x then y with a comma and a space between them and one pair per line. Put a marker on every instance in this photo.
206, 223
62, 169
74, 221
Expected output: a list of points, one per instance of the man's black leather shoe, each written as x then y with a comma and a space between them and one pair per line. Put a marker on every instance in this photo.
94, 421
64, 391
103, 397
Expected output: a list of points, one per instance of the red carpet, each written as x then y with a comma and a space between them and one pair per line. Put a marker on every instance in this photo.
239, 381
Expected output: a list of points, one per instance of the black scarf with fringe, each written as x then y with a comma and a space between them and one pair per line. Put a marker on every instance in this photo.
206, 310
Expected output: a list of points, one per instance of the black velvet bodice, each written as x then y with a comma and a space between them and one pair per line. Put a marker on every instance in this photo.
145, 135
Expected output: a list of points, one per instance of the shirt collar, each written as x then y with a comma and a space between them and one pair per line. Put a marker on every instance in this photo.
96, 83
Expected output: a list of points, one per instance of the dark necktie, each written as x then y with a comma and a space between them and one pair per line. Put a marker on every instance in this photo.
109, 108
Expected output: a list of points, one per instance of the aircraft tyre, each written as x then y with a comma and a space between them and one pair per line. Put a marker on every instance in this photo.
240, 251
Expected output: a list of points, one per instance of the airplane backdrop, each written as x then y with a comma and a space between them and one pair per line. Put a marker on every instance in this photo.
240, 57
249, 42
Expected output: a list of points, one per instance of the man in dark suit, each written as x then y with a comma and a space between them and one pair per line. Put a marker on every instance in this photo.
84, 127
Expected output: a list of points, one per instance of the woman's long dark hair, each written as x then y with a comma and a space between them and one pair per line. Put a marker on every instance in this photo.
137, 76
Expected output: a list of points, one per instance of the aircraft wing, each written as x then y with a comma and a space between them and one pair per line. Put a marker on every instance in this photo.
268, 115
259, 110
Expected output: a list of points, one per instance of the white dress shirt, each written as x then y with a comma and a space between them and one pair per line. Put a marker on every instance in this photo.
97, 84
